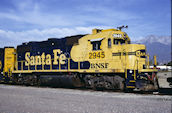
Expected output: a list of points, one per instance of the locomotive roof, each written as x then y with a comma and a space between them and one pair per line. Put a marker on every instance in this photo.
70, 40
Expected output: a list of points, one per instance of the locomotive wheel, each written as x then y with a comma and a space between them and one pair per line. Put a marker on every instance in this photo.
77, 81
38, 82
119, 83
89, 81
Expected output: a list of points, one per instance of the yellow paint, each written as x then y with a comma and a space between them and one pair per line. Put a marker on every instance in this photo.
48, 59
27, 55
32, 60
0, 64
148, 61
139, 54
126, 76
96, 55
71, 70
134, 75
62, 59
130, 86
56, 57
117, 57
155, 62
45, 59
9, 59
38, 60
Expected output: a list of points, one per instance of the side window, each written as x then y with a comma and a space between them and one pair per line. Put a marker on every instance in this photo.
122, 41
109, 43
96, 45
115, 42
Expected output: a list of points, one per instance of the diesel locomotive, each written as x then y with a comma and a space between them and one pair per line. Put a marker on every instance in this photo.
105, 59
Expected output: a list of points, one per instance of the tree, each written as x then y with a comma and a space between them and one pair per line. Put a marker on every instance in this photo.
169, 63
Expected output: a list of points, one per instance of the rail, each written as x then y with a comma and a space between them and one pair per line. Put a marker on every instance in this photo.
20, 66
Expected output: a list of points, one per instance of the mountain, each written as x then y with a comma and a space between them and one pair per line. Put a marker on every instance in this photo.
166, 40
159, 46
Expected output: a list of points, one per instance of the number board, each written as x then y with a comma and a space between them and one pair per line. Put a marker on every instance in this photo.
96, 55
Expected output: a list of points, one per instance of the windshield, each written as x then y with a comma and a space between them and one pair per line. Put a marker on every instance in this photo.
118, 41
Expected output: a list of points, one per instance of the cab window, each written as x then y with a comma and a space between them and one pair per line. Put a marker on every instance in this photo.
122, 41
109, 43
115, 42
96, 45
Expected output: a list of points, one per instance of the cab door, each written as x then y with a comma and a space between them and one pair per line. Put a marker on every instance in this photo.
9, 62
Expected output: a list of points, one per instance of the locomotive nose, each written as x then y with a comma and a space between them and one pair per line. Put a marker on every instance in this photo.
0, 65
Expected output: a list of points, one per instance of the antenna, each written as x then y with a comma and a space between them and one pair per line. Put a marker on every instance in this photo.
121, 27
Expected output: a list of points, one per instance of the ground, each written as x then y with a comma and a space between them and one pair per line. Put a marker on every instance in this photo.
162, 79
22, 99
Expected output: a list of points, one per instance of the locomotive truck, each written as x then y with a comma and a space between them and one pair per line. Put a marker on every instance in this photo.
105, 59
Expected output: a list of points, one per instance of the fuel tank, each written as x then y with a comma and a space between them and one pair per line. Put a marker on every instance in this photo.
69, 81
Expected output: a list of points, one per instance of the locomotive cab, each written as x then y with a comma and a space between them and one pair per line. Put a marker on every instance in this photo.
110, 51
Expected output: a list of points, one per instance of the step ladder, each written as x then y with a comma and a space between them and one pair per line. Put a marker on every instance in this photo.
130, 76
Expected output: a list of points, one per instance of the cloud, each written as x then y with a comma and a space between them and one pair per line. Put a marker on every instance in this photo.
11, 38
9, 16
32, 20
30, 13
38, 14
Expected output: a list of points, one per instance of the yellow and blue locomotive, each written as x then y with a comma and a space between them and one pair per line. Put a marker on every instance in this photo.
105, 59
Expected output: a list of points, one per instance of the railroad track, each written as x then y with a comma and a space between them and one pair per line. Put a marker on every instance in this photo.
161, 91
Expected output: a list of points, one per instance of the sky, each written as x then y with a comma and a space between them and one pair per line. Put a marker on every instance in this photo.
37, 20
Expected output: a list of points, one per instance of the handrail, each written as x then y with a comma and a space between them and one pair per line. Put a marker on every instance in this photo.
51, 65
